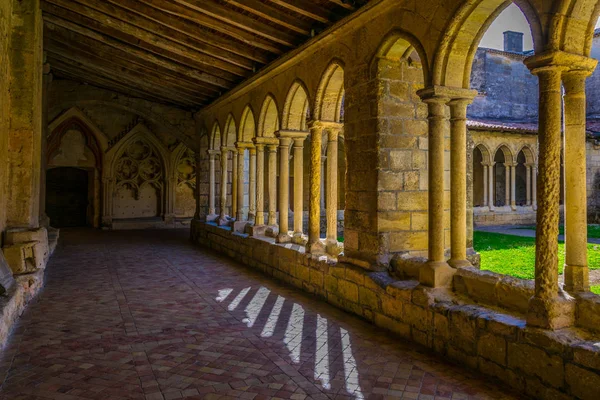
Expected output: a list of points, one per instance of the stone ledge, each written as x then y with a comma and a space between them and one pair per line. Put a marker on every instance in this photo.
497, 342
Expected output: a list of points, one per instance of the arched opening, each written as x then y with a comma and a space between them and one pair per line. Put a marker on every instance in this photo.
67, 196
502, 177
268, 124
296, 110
521, 183
246, 135
478, 179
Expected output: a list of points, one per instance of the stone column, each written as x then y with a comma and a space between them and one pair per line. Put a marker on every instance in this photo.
507, 184
212, 155
197, 192
260, 184
240, 183
252, 188
223, 201
331, 242
298, 187
284, 187
314, 245
436, 272
234, 183
458, 177
485, 186
576, 266
534, 172
272, 185
547, 309
528, 183
323, 184
513, 187
491, 191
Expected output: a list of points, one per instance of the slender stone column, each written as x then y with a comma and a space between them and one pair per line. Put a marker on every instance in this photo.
240, 183
223, 201
492, 198
528, 183
212, 155
507, 184
576, 266
234, 183
485, 186
272, 185
284, 188
332, 191
545, 308
436, 272
197, 192
315, 246
298, 187
260, 184
252, 188
513, 187
458, 199
323, 184
534, 172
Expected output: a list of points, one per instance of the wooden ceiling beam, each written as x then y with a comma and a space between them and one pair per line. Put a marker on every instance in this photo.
274, 15
211, 23
83, 43
93, 56
344, 4
108, 24
122, 75
82, 25
308, 9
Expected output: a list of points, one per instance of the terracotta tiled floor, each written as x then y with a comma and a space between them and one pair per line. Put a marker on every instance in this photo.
146, 315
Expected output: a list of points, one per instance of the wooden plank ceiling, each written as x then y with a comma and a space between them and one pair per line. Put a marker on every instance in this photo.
184, 53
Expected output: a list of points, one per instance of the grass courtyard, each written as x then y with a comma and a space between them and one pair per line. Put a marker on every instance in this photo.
593, 230
515, 255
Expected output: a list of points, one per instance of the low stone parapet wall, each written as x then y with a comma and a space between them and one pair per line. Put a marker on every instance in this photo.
493, 339
482, 216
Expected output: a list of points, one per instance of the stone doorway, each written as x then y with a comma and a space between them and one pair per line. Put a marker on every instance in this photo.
67, 196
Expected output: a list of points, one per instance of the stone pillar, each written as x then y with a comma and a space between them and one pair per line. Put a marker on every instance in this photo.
234, 183
252, 188
528, 183
491, 185
576, 266
223, 220
548, 308
284, 187
272, 185
298, 187
331, 242
212, 212
507, 184
458, 177
534, 172
240, 183
437, 272
323, 183
485, 186
260, 184
314, 245
513, 187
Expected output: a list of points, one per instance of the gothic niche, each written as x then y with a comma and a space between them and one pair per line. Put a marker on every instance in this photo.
139, 181
185, 199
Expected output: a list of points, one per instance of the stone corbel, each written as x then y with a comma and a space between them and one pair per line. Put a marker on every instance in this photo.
26, 251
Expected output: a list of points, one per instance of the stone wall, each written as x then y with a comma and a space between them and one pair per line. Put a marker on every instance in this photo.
5, 29
593, 181
543, 364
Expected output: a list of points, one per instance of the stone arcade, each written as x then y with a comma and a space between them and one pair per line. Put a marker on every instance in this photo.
346, 148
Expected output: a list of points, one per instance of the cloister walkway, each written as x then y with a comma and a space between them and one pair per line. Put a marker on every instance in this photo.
146, 315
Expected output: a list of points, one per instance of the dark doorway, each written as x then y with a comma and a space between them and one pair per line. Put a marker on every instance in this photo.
67, 196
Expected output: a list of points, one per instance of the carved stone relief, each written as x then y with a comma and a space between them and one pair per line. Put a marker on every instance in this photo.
185, 201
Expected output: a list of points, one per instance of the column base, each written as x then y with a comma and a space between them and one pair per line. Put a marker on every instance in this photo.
577, 278
513, 207
212, 217
240, 226
553, 313
459, 263
333, 247
316, 249
224, 221
26, 250
283, 238
299, 239
436, 274
272, 231
257, 230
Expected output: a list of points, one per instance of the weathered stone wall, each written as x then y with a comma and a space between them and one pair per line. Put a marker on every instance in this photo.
5, 30
540, 363
593, 83
593, 181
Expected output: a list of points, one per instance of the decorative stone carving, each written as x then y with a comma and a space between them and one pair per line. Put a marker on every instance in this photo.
139, 165
186, 170
185, 199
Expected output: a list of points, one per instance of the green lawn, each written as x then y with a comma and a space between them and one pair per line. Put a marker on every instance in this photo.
596, 289
515, 256
593, 230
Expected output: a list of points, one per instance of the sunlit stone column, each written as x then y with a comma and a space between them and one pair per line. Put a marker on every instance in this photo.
323, 183
298, 186
534, 172
223, 200
315, 246
260, 184
507, 184
513, 187
272, 184
528, 183
436, 272
576, 266
234, 183
331, 242
284, 187
491, 191
458, 177
240, 182
212, 155
547, 309
485, 186
252, 188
